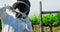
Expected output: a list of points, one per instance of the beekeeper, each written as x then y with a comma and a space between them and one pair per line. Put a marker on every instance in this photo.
15, 18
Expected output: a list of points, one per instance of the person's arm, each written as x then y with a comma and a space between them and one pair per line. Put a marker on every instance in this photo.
29, 28
2, 11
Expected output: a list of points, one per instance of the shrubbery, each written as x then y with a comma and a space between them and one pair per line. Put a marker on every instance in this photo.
47, 20
0, 24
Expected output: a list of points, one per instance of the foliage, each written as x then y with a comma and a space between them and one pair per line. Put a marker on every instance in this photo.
35, 20
47, 20
50, 20
0, 24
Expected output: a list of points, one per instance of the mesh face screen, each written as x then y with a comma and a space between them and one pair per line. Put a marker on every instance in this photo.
22, 7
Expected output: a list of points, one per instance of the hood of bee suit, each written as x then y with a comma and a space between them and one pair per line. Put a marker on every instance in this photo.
27, 7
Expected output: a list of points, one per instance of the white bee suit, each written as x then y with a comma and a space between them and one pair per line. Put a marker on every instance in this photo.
13, 24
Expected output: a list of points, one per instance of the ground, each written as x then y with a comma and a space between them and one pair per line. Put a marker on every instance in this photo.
46, 29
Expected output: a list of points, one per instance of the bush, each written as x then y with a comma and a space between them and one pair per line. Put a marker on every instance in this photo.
47, 20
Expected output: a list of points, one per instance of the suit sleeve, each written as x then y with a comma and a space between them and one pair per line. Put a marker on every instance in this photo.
29, 26
3, 11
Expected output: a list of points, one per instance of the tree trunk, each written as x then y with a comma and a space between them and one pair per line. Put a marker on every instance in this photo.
51, 28
33, 27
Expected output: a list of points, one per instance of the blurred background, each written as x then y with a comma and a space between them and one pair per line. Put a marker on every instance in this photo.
50, 21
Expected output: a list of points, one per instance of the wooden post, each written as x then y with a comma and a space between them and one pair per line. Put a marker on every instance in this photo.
49, 12
41, 26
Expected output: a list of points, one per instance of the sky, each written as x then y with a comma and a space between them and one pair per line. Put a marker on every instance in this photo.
47, 5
